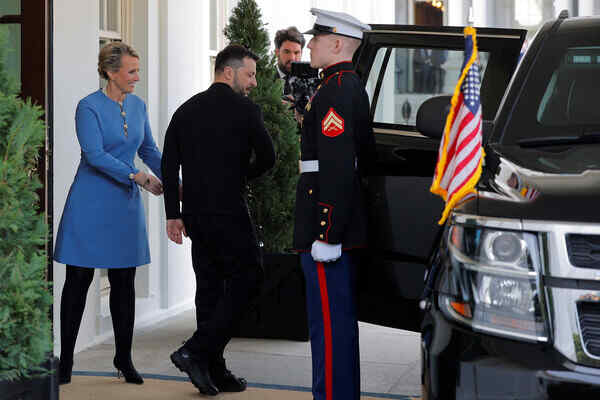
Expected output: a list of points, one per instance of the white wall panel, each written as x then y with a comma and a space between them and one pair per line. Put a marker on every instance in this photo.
75, 57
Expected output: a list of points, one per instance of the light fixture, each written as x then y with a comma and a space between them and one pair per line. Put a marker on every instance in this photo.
437, 4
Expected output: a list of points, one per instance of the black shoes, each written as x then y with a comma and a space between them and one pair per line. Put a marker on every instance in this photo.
228, 382
127, 370
199, 375
65, 368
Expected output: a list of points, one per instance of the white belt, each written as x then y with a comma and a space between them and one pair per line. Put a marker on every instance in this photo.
309, 166
313, 165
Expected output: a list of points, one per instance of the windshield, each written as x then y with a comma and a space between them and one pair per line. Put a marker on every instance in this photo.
559, 106
561, 96
572, 93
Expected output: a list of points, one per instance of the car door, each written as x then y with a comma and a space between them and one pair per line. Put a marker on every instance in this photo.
401, 67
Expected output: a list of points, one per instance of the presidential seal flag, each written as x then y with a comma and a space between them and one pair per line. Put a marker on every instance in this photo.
461, 155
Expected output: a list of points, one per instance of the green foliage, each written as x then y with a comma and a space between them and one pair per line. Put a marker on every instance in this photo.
271, 197
25, 299
8, 84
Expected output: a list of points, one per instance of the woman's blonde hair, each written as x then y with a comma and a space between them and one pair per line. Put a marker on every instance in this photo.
110, 57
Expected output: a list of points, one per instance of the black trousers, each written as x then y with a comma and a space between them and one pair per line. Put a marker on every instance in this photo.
228, 269
122, 308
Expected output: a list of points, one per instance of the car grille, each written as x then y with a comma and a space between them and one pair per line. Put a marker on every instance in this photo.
589, 322
584, 250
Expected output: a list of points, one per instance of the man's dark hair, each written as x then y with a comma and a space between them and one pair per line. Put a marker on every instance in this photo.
291, 34
233, 56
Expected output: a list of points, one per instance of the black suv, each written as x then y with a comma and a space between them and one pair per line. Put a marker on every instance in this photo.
506, 294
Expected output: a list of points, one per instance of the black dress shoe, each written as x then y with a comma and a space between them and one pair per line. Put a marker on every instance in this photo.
199, 375
127, 370
228, 382
65, 368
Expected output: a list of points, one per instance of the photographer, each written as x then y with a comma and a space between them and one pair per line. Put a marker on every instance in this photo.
288, 48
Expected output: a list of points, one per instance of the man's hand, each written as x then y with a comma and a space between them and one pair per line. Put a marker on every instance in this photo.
299, 117
153, 185
175, 228
325, 252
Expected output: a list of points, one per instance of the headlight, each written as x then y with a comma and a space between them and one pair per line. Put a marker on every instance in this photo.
492, 282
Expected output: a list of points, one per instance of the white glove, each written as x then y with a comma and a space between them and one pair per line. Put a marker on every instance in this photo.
325, 252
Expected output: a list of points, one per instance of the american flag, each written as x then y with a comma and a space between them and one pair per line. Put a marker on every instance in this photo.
460, 155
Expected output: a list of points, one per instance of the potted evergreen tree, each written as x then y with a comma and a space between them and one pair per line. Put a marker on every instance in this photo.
25, 296
271, 198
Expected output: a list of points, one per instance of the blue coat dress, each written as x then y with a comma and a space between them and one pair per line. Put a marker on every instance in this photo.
103, 222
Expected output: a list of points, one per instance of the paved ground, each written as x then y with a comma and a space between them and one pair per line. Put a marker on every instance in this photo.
390, 361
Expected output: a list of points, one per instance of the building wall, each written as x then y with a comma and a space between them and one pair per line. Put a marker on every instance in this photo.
75, 55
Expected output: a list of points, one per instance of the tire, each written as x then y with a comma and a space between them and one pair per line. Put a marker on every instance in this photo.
426, 393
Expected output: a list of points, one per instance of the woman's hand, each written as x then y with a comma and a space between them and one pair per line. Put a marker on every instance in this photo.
140, 178
153, 185
148, 182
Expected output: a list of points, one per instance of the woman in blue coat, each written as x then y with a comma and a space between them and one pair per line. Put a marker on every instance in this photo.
103, 222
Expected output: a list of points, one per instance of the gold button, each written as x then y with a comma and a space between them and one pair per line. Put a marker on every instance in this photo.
323, 223
309, 191
321, 236
325, 211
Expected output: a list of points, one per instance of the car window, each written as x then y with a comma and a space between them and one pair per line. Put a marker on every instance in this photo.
409, 77
571, 94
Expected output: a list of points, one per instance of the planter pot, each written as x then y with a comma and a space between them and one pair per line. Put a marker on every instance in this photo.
43, 388
280, 310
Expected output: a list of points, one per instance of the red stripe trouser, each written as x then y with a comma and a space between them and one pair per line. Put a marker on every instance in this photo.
331, 305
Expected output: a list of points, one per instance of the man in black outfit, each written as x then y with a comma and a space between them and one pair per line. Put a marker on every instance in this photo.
212, 136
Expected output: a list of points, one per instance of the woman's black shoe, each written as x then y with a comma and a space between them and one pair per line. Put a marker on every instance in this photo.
127, 370
65, 368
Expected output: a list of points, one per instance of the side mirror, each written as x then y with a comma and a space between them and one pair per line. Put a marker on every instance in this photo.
431, 117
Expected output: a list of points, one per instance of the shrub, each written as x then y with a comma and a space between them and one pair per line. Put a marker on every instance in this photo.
25, 298
271, 197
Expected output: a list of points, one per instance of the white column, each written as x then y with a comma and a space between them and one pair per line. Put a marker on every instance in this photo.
456, 12
587, 7
75, 26
480, 16
184, 71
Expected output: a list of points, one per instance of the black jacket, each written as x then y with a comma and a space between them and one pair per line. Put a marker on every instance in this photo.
212, 136
330, 204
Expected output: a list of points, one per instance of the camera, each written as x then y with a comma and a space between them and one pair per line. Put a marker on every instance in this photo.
303, 84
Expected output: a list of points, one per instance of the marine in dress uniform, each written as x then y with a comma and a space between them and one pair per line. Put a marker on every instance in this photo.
337, 145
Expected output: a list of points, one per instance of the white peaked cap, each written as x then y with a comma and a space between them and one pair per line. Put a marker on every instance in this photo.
338, 23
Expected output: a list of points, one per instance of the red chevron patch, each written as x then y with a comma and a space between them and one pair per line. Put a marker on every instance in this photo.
332, 125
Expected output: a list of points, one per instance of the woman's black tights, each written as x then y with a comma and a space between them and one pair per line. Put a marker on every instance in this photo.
122, 309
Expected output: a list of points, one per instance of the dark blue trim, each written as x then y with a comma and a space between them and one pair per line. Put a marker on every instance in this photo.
253, 385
